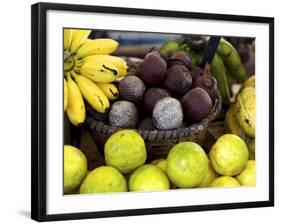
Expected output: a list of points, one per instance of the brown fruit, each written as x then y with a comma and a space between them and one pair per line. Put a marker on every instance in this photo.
132, 89
196, 72
208, 83
146, 124
152, 69
152, 96
179, 58
196, 105
178, 80
167, 114
123, 114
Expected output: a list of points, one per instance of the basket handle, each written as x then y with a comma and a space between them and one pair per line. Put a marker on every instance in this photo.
210, 50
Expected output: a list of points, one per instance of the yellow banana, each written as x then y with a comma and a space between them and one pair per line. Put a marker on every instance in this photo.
97, 46
78, 37
92, 93
76, 108
99, 71
65, 94
246, 110
109, 89
118, 62
232, 60
67, 35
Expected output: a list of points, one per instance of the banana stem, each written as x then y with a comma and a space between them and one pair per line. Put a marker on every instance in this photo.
67, 55
73, 74
67, 76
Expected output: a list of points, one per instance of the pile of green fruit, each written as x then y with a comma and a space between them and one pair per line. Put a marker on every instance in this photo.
186, 166
163, 94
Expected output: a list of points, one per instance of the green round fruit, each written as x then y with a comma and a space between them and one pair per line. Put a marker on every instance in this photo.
229, 155
148, 178
209, 177
225, 181
248, 176
125, 150
161, 163
187, 164
103, 179
75, 168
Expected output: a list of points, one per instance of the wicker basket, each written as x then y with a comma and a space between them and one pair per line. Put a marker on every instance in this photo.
158, 142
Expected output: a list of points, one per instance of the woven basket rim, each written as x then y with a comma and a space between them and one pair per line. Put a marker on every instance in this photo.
92, 123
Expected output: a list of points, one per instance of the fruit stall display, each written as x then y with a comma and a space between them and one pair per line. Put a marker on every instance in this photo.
157, 122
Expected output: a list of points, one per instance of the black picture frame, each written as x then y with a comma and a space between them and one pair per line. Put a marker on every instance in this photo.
39, 122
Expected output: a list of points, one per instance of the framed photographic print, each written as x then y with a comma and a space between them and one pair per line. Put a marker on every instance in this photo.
138, 111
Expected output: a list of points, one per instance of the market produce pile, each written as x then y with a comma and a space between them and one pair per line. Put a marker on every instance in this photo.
168, 91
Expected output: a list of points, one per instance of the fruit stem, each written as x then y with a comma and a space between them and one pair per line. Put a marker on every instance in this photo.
73, 74
67, 76
207, 69
67, 55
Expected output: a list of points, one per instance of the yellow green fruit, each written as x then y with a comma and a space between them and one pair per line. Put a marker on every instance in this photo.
209, 177
229, 155
125, 150
75, 168
250, 82
104, 179
148, 178
187, 164
231, 123
248, 176
246, 111
161, 163
225, 181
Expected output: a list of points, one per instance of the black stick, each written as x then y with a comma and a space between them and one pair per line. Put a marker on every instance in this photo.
210, 50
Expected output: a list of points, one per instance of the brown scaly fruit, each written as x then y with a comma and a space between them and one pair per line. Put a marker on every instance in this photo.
152, 69
196, 105
167, 114
123, 114
131, 88
178, 80
179, 58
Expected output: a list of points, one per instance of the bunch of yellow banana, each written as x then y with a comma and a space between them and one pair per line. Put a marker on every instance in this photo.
240, 118
89, 71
